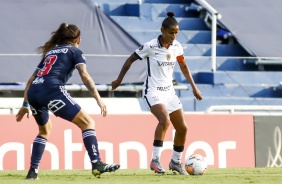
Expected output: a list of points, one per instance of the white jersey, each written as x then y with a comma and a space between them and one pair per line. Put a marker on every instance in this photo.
160, 64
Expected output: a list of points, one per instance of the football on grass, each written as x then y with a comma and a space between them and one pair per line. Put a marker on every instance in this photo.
196, 164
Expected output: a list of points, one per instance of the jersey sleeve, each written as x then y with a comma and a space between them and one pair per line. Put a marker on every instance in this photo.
79, 57
142, 51
180, 55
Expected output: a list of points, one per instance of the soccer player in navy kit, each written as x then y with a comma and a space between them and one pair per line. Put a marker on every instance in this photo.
45, 92
161, 54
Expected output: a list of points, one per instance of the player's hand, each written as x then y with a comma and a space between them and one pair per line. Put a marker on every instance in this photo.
197, 94
103, 107
23, 110
115, 84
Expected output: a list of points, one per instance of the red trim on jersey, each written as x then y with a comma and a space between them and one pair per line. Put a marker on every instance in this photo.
180, 58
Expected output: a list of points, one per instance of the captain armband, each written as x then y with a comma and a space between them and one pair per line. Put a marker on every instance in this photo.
180, 58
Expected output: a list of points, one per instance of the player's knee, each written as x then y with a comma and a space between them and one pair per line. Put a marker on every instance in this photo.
90, 123
164, 123
182, 130
44, 133
45, 130
86, 123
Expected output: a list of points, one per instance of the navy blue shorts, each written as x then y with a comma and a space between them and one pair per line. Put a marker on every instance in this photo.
57, 100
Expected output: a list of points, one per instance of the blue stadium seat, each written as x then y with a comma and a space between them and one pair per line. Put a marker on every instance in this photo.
116, 1
239, 77
130, 23
120, 9
168, 1
185, 36
211, 101
234, 90
205, 50
203, 105
152, 11
197, 64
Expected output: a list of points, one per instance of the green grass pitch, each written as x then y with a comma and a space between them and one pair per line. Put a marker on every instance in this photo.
143, 176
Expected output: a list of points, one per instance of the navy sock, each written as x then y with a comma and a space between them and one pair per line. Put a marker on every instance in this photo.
91, 144
38, 148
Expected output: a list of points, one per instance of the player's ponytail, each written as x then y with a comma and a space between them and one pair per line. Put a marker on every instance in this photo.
169, 20
65, 34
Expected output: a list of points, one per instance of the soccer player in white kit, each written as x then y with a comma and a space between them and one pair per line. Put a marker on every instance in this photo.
161, 55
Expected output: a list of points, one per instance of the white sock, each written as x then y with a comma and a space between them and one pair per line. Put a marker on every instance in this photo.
176, 156
157, 152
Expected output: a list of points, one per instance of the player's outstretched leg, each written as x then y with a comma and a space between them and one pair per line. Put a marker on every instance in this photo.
100, 167
157, 166
38, 148
177, 167
32, 174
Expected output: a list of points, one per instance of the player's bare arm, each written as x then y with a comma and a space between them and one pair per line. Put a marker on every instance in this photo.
89, 83
186, 72
87, 80
124, 70
25, 109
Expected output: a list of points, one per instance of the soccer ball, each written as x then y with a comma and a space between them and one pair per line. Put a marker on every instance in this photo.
196, 164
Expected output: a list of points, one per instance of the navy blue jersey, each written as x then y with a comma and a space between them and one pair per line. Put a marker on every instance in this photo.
57, 66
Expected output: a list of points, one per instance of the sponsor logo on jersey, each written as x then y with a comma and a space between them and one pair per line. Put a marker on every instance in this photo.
166, 63
38, 80
64, 50
166, 88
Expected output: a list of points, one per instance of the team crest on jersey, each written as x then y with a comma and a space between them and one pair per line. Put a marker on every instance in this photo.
168, 56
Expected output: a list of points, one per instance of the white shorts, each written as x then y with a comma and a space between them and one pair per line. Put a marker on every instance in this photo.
169, 100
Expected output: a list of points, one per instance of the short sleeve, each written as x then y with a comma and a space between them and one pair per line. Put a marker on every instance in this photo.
180, 55
79, 57
142, 51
